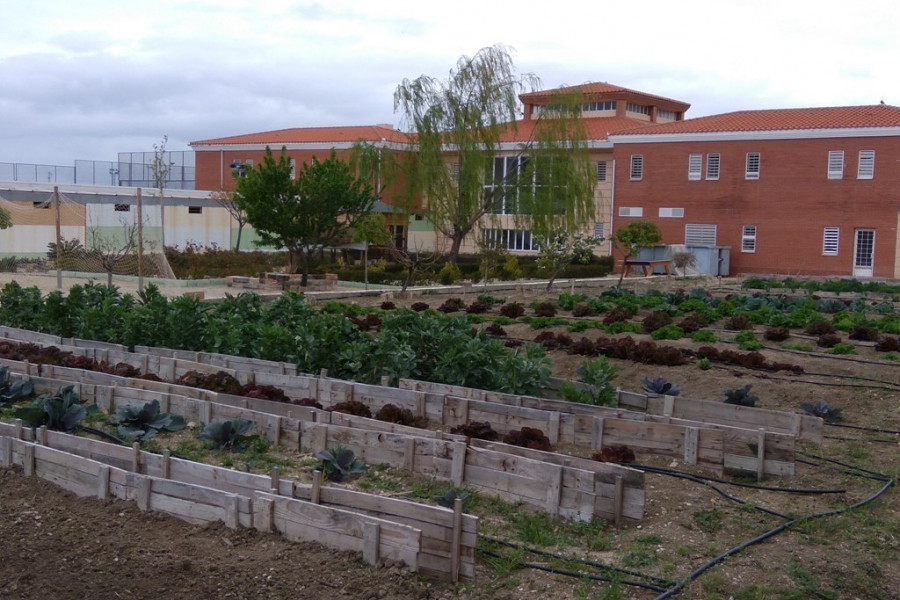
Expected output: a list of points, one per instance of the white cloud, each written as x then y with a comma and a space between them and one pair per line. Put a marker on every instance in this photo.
93, 78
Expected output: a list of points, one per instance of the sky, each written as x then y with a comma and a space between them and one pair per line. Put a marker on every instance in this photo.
90, 79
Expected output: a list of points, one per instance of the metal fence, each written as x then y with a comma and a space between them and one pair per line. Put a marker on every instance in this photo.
133, 169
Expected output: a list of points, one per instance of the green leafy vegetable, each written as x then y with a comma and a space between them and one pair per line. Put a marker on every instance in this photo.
144, 423
228, 435
338, 463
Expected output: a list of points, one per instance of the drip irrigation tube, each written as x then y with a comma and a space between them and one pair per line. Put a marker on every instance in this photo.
760, 538
755, 486
846, 439
583, 561
568, 573
861, 428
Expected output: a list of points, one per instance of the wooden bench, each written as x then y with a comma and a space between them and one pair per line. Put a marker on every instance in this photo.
648, 266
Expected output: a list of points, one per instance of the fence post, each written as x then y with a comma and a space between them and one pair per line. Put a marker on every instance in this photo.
458, 467
371, 542
457, 539
103, 482
761, 455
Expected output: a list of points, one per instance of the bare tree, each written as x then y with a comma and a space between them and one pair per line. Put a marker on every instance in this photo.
161, 166
225, 199
110, 250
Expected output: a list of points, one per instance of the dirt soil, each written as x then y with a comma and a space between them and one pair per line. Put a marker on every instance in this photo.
58, 546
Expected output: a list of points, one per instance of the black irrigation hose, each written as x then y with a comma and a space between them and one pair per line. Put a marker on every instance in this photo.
723, 493
760, 538
568, 573
755, 486
861, 428
578, 560
873, 474
846, 439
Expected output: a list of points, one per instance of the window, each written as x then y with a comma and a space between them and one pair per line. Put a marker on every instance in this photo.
752, 168
599, 228
637, 167
293, 168
641, 109
866, 167
195, 210
676, 213
748, 238
631, 211
835, 164
712, 166
699, 234
601, 171
695, 166
511, 239
830, 238
122, 208
502, 184
665, 115
605, 105
454, 172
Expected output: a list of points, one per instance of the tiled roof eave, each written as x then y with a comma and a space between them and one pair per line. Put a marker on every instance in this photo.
324, 145
775, 134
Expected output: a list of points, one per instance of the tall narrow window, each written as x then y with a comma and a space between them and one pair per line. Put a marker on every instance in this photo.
752, 168
601, 171
835, 164
695, 166
637, 167
866, 167
712, 166
830, 238
748, 238
454, 172
599, 228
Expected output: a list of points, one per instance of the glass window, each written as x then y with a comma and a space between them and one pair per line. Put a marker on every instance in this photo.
752, 167
695, 165
866, 168
637, 167
835, 164
748, 238
712, 166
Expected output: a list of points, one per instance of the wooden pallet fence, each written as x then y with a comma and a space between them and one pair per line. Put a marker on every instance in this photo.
24, 335
238, 363
449, 537
558, 427
804, 427
436, 541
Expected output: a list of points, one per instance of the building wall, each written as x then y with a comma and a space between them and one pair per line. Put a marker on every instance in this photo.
790, 204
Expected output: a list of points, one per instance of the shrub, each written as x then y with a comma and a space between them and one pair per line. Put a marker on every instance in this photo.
655, 320
777, 334
822, 409
614, 454
351, 407
660, 386
510, 269
843, 348
545, 309
828, 340
864, 333
480, 430
819, 328
888, 343
419, 306
619, 313
741, 396
692, 322
583, 310
452, 305
391, 413
598, 375
513, 310
478, 307
668, 332
704, 335
449, 274
738, 323
528, 437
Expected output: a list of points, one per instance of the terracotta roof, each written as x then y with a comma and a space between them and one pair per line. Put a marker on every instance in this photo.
598, 128
307, 135
604, 89
782, 119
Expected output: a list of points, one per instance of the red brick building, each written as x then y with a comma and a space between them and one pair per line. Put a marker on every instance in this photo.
812, 191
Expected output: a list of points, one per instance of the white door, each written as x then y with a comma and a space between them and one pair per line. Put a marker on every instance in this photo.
863, 252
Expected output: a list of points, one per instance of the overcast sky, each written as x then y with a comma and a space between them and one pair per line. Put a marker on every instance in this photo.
88, 79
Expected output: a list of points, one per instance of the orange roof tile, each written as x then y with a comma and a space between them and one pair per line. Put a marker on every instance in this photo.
605, 89
782, 119
597, 128
308, 135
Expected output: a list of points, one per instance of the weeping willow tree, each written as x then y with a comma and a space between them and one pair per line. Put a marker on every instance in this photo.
474, 162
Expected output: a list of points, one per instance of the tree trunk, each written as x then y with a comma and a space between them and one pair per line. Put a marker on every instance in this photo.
455, 245
304, 266
237, 243
622, 274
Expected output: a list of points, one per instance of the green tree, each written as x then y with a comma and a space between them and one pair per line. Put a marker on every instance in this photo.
630, 238
560, 249
370, 229
463, 167
318, 209
5, 219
